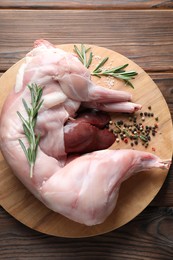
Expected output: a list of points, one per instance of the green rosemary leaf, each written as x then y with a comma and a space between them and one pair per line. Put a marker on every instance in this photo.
129, 73
27, 133
101, 64
120, 68
37, 142
83, 52
90, 59
30, 153
88, 49
113, 71
32, 94
120, 76
77, 51
23, 120
21, 117
97, 75
26, 107
24, 149
39, 106
129, 83
34, 120
40, 92
97, 72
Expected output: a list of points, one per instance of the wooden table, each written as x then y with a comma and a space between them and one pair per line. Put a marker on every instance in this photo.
141, 31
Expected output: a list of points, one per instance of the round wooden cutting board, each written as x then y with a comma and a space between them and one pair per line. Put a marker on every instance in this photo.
135, 193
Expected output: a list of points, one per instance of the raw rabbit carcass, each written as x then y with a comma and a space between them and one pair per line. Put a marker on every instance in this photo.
69, 178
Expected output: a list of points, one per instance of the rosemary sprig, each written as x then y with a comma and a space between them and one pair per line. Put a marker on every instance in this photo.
82, 55
116, 72
29, 125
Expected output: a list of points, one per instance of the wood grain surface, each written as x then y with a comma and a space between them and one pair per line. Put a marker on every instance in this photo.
140, 30
141, 38
89, 4
147, 237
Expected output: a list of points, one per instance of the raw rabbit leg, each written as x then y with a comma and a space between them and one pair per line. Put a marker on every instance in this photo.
86, 189
80, 88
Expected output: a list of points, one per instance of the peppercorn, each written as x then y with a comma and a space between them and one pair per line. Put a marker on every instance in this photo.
146, 145
116, 135
148, 138
126, 140
120, 122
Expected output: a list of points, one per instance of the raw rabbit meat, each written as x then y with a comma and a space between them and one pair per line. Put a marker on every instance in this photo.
88, 132
84, 187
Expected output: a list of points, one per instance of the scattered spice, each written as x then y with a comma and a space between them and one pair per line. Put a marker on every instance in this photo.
117, 140
134, 129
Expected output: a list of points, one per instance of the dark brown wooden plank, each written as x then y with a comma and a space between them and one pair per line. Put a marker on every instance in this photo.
89, 4
165, 84
143, 36
165, 195
135, 240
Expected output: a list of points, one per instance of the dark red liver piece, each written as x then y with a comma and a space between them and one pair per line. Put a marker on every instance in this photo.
88, 132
